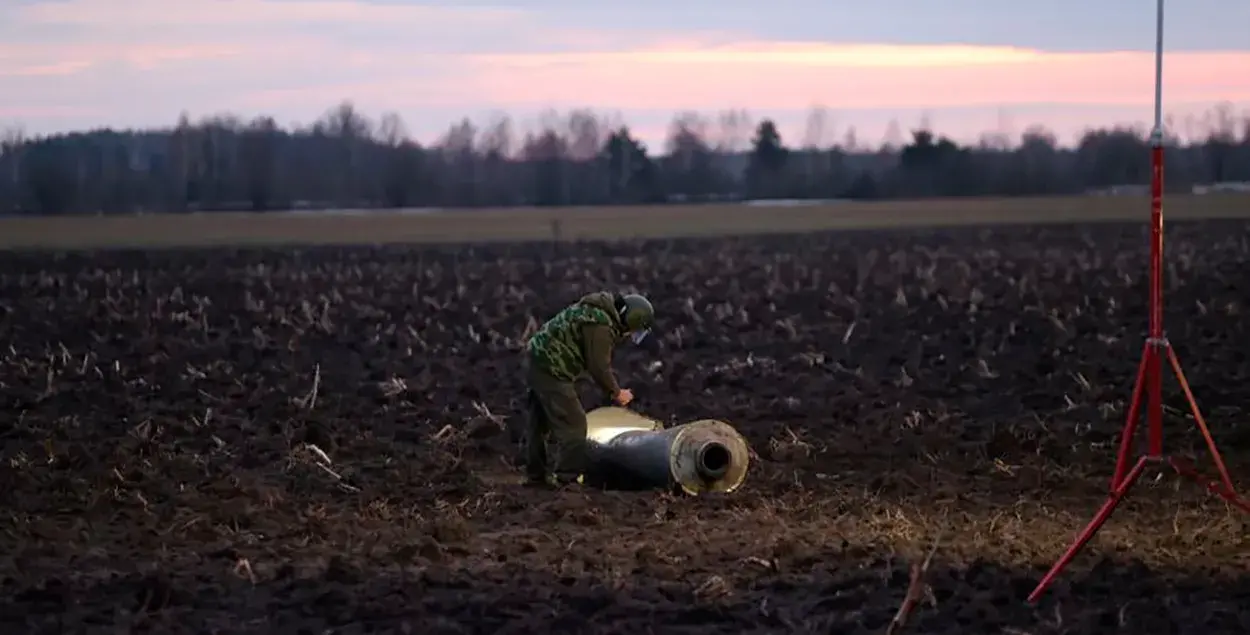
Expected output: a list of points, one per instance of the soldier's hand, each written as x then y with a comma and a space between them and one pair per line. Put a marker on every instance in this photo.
623, 397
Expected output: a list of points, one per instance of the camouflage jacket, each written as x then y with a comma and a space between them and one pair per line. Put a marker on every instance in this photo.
579, 340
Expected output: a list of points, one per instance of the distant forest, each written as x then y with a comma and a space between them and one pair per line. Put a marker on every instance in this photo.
347, 160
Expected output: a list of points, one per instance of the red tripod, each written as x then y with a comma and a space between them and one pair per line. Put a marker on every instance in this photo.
1149, 386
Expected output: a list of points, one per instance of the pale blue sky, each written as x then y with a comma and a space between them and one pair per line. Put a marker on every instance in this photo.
1056, 25
965, 65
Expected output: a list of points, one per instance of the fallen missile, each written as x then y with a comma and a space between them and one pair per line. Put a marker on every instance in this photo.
630, 451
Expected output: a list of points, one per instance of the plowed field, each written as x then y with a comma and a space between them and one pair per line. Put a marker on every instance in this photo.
955, 390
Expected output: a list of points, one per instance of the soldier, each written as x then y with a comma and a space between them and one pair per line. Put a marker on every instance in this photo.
578, 341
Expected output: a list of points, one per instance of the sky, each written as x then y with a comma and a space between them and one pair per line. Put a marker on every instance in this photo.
963, 66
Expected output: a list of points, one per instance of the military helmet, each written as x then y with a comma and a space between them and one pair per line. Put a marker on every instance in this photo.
636, 314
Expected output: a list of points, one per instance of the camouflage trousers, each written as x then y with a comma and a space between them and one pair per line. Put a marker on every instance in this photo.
555, 414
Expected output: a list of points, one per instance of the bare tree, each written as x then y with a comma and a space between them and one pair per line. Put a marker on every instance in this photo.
350, 129
817, 132
392, 131
547, 153
1170, 135
818, 129
1190, 128
994, 142
550, 120
612, 122
12, 141
692, 170
734, 129
850, 140
547, 145
1006, 126
346, 122
893, 139
11, 138
1221, 142
496, 145
1036, 160
457, 147
585, 135
687, 136
998, 140
459, 139
926, 121
259, 162
1223, 122
1243, 149
497, 138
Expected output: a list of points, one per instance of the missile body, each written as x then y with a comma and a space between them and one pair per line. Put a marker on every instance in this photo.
629, 451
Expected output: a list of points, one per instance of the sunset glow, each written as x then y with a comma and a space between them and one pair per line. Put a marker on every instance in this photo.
79, 63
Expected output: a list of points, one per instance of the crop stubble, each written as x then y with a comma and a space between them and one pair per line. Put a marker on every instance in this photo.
954, 387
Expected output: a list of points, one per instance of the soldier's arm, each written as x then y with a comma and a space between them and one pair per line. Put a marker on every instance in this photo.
599, 343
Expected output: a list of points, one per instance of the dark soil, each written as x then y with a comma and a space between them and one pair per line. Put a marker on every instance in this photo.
902, 389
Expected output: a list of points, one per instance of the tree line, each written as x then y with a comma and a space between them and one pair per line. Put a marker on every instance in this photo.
346, 160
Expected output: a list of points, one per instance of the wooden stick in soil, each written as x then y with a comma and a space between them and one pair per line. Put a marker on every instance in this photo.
310, 401
915, 590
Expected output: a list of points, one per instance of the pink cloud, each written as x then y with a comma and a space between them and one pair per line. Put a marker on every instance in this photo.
223, 39
141, 14
148, 57
152, 34
80, 58
764, 75
51, 69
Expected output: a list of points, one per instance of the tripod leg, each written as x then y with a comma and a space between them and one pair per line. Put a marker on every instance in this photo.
1130, 424
1202, 423
1215, 487
1092, 528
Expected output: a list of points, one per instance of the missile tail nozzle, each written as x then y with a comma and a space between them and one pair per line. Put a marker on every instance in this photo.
713, 460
